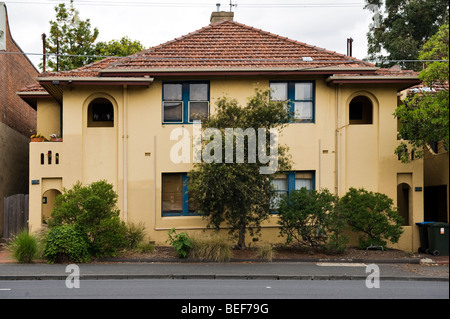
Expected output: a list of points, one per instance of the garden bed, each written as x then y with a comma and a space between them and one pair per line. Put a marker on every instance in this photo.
163, 253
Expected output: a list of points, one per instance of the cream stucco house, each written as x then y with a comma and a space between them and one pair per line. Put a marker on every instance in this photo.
115, 117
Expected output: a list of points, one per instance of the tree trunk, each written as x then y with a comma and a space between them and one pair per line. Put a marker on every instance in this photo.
241, 240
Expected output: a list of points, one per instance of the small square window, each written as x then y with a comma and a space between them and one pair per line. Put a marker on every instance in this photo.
279, 91
198, 92
303, 91
173, 92
198, 110
173, 111
303, 111
303, 180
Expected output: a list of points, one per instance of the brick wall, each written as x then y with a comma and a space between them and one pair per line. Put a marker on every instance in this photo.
16, 72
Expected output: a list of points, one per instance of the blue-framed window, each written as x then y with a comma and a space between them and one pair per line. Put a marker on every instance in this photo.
174, 195
184, 102
288, 182
301, 96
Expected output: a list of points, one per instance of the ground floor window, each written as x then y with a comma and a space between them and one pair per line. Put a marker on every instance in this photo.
175, 199
288, 182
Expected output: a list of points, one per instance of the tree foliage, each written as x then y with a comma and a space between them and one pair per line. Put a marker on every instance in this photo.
122, 47
71, 42
69, 35
237, 195
400, 32
424, 115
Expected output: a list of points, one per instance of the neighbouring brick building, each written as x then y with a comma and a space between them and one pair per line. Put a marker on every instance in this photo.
17, 118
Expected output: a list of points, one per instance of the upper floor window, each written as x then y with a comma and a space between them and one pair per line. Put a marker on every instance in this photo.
360, 110
185, 102
301, 96
100, 113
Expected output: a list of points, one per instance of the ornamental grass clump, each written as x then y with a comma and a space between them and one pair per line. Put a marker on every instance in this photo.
24, 247
214, 249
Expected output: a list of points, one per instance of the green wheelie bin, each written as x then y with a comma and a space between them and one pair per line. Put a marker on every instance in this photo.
438, 239
423, 235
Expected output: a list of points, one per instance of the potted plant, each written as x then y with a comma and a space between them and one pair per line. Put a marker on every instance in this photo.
37, 138
56, 138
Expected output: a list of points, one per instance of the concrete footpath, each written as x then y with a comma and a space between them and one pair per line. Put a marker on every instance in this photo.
424, 269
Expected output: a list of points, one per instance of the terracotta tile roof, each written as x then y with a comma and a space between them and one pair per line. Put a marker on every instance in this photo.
436, 87
231, 45
226, 45
89, 70
33, 88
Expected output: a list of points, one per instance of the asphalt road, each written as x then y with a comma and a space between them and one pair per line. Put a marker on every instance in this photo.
222, 289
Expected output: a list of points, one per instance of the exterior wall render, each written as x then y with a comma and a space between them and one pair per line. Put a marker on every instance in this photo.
341, 155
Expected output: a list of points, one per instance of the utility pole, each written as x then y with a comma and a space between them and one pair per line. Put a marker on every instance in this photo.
44, 55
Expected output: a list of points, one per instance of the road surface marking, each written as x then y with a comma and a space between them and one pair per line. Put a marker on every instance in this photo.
341, 264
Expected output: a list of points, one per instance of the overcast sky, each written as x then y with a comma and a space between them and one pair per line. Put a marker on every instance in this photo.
323, 23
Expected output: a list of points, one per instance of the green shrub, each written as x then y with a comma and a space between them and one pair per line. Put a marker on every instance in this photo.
92, 209
24, 247
215, 249
180, 242
66, 244
372, 216
309, 218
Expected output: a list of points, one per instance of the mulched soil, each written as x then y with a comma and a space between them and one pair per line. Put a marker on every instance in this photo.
162, 253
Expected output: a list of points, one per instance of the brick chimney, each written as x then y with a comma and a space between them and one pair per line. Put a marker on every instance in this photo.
218, 16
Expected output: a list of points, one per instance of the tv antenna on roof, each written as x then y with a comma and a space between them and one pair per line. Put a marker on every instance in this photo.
232, 5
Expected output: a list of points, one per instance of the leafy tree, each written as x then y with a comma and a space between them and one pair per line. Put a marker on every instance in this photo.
73, 40
424, 115
237, 194
122, 47
92, 210
404, 28
309, 218
372, 216
69, 35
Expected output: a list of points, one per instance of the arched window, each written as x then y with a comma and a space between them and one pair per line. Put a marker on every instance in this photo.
404, 201
361, 110
100, 113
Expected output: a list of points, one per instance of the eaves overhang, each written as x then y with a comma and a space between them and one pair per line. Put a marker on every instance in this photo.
31, 98
55, 85
402, 81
